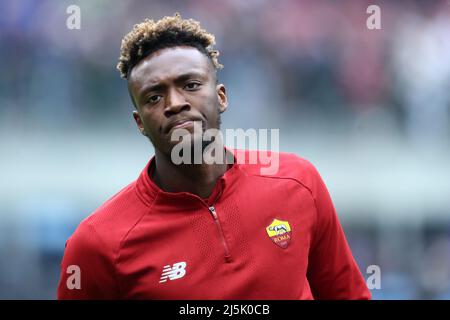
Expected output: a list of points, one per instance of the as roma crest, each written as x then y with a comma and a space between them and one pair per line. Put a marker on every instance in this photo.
280, 233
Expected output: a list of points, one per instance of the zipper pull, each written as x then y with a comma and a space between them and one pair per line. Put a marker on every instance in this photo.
213, 212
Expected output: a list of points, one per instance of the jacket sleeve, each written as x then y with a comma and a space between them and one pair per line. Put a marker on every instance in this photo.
332, 270
87, 268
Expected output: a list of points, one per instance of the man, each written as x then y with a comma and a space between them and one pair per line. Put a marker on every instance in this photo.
220, 230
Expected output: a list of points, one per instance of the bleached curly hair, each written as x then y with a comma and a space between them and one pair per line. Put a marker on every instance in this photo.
149, 36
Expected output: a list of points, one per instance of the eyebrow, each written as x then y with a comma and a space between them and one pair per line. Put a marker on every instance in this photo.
179, 79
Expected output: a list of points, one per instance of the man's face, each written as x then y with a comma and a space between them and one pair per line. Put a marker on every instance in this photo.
171, 88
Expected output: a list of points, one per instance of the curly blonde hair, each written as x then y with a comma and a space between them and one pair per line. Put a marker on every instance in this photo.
149, 36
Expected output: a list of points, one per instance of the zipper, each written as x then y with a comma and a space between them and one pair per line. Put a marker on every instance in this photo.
222, 236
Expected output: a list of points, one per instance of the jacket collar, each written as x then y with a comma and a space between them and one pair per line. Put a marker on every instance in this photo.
148, 191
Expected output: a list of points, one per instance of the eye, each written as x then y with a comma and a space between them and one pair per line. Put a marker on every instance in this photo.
154, 99
192, 85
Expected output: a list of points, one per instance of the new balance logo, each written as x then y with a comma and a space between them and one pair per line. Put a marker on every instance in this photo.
177, 271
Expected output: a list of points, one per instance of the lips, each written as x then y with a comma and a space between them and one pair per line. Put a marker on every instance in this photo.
181, 123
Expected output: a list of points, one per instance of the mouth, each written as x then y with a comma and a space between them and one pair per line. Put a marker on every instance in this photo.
185, 123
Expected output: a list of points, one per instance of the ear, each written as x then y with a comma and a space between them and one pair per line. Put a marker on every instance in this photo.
138, 120
222, 97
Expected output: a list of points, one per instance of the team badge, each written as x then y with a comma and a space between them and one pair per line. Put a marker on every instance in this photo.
280, 233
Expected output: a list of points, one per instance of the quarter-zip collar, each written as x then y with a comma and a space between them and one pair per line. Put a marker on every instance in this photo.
148, 191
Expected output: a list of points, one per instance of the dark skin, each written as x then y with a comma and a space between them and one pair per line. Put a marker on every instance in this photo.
177, 86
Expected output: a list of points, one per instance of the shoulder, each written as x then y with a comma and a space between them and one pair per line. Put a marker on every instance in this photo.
109, 223
278, 165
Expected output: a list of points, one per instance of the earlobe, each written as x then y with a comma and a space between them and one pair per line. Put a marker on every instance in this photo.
137, 119
223, 107
142, 130
222, 96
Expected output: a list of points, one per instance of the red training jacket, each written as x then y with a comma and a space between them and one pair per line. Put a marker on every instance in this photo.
256, 237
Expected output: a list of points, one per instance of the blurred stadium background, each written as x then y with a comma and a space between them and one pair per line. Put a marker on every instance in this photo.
370, 108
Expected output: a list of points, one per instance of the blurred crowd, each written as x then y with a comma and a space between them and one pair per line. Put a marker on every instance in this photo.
292, 58
291, 63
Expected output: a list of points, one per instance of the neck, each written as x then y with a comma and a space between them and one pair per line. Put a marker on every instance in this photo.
198, 179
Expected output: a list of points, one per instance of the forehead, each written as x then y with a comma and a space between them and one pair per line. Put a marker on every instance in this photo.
167, 64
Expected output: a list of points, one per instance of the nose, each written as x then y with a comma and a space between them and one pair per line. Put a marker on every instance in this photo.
175, 103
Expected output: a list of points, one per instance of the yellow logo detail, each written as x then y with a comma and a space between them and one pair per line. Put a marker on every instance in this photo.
279, 232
